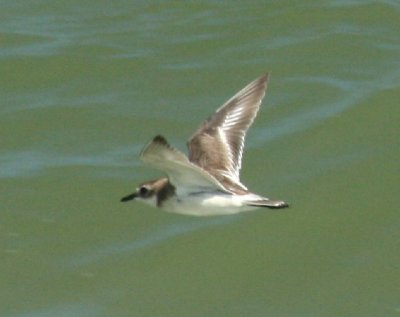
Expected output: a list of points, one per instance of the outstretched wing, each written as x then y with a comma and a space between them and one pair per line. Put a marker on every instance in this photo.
217, 146
181, 172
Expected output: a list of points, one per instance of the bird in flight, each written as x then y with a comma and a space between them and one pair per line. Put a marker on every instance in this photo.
207, 182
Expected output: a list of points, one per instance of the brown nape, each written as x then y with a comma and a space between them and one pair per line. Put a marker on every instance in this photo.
165, 191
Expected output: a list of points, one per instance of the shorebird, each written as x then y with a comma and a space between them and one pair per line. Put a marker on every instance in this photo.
207, 181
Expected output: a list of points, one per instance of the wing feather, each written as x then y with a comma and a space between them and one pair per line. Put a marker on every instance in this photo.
217, 145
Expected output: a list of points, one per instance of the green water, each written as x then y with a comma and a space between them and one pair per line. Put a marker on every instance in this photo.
84, 85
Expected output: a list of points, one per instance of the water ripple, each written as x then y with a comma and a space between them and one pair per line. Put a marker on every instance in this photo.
30, 162
150, 240
351, 94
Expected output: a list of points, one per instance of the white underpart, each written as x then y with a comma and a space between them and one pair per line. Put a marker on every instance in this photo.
209, 204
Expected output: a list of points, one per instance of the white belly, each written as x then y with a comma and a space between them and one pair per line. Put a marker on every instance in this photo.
207, 205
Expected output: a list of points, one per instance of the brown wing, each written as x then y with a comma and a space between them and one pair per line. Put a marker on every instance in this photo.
217, 146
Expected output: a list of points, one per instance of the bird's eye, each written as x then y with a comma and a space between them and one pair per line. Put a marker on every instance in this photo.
143, 191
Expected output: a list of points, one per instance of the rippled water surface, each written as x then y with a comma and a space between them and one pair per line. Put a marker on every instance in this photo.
85, 84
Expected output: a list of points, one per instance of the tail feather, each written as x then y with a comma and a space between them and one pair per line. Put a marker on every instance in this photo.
273, 204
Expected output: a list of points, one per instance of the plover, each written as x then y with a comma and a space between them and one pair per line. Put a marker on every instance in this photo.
207, 181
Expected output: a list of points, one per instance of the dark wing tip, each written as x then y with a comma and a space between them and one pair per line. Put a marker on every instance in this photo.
160, 139
264, 78
277, 204
281, 204
272, 204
